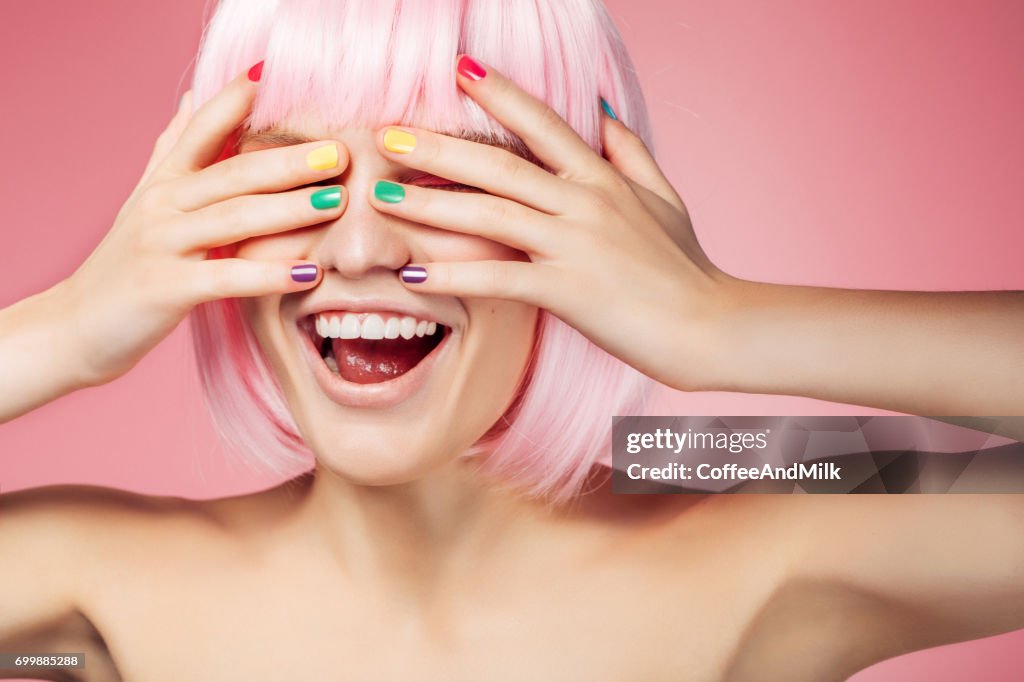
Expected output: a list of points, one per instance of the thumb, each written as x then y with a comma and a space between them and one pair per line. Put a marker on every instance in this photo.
628, 153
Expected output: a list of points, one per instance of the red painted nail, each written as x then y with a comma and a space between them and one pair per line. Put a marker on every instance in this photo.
470, 68
256, 72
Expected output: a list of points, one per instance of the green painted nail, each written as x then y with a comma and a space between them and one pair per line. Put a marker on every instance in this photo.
328, 197
608, 110
388, 192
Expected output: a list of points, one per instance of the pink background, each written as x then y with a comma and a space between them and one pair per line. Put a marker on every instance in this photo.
870, 144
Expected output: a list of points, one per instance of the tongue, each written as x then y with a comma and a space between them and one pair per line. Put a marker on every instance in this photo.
365, 361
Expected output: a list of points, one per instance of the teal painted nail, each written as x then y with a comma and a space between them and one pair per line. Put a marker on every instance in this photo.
328, 197
608, 110
388, 192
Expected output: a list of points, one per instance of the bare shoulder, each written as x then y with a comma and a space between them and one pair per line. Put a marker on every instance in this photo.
68, 539
62, 518
58, 542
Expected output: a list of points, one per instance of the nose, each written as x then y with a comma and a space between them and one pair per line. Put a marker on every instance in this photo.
363, 240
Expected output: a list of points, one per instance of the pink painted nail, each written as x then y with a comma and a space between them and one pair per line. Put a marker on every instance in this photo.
256, 72
470, 68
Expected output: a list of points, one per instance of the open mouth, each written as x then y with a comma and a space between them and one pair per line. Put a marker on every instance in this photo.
371, 348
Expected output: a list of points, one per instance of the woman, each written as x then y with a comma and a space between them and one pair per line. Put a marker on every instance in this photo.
414, 291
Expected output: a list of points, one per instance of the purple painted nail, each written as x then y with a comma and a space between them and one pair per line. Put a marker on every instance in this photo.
413, 274
304, 273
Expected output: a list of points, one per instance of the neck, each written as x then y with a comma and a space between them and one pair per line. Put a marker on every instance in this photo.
422, 534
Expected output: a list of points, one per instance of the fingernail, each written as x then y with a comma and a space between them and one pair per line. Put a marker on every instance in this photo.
470, 68
413, 274
328, 197
399, 141
256, 72
388, 192
304, 273
323, 158
608, 110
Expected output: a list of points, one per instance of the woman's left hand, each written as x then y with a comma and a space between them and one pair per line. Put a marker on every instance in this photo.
609, 243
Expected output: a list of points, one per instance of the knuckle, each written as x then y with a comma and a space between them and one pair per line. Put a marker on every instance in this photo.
499, 276
508, 164
550, 117
441, 275
493, 211
597, 202
233, 170
220, 280
430, 149
155, 195
293, 209
616, 183
418, 199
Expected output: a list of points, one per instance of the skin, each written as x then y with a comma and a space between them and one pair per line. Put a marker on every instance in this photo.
412, 566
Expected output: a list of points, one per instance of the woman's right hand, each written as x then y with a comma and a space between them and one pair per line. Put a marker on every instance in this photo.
152, 268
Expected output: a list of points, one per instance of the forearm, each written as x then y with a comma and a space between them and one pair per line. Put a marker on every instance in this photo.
36, 359
926, 353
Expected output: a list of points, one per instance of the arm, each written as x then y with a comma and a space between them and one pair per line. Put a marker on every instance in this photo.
612, 252
32, 357
932, 569
943, 353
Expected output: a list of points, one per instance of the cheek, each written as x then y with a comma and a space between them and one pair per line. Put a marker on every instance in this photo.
502, 334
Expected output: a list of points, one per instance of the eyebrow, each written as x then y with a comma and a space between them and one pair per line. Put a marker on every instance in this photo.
277, 138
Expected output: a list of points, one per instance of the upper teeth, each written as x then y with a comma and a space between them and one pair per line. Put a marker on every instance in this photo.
372, 326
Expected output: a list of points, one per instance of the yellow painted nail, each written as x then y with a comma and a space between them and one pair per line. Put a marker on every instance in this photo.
399, 141
323, 158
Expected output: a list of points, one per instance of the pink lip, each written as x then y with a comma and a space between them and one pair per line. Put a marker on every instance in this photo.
376, 396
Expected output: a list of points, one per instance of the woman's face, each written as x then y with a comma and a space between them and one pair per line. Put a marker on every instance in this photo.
394, 408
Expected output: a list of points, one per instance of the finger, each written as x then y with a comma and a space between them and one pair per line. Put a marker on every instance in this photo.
543, 130
206, 134
166, 140
255, 215
473, 213
487, 167
505, 279
266, 170
628, 153
236, 277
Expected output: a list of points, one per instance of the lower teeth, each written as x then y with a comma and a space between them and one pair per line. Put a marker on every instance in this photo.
332, 364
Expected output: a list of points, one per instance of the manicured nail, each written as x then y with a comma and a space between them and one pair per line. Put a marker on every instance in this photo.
608, 110
328, 197
388, 192
256, 72
323, 158
413, 274
470, 68
304, 273
399, 141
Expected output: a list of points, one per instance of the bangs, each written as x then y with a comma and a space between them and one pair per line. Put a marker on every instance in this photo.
392, 62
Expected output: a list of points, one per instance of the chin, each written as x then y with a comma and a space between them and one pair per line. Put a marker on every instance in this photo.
377, 452
387, 391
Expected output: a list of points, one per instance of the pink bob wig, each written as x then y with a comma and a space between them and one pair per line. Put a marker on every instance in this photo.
370, 63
